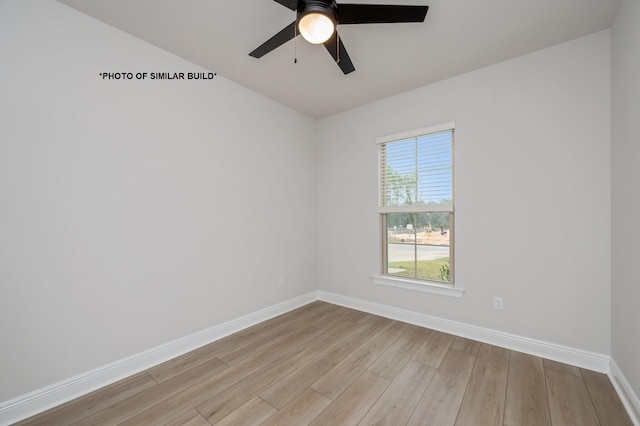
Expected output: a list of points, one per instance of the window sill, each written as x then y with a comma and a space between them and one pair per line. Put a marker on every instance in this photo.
416, 285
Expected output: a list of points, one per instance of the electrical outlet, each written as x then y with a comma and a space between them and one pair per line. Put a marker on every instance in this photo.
280, 281
498, 303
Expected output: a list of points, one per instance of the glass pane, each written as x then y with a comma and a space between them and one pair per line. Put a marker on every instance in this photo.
401, 244
433, 235
418, 245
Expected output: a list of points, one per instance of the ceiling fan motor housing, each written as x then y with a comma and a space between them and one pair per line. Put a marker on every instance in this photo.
324, 7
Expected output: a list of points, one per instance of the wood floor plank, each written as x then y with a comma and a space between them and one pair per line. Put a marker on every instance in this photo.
393, 360
569, 400
342, 375
190, 418
527, 403
300, 411
319, 306
260, 382
305, 316
253, 412
202, 391
558, 366
223, 403
363, 319
273, 338
484, 399
441, 400
271, 341
85, 406
332, 316
358, 316
245, 340
354, 403
174, 367
433, 349
606, 402
342, 341
397, 403
123, 410
466, 345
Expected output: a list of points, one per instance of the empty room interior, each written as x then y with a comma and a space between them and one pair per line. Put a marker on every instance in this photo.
430, 218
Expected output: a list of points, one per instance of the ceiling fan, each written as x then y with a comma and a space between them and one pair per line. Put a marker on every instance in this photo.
316, 21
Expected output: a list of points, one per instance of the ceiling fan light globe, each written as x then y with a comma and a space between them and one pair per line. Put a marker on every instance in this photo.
316, 28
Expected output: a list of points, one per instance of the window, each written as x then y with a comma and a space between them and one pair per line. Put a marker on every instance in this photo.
416, 204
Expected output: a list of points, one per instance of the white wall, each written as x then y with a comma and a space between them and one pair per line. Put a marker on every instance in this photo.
625, 193
532, 158
135, 213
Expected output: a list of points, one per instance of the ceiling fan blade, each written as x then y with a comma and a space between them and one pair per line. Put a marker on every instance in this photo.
379, 13
343, 60
291, 4
277, 40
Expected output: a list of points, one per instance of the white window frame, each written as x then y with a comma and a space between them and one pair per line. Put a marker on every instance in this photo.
408, 283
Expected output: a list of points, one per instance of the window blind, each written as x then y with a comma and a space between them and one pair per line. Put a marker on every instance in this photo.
416, 173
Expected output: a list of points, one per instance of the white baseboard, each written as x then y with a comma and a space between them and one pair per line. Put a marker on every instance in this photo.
42, 399
560, 353
628, 397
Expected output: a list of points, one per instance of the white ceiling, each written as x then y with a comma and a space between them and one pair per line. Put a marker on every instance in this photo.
457, 36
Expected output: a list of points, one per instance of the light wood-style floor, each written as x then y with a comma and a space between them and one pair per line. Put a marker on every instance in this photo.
328, 365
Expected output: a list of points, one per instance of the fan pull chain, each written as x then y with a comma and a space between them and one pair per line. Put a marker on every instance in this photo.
295, 44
